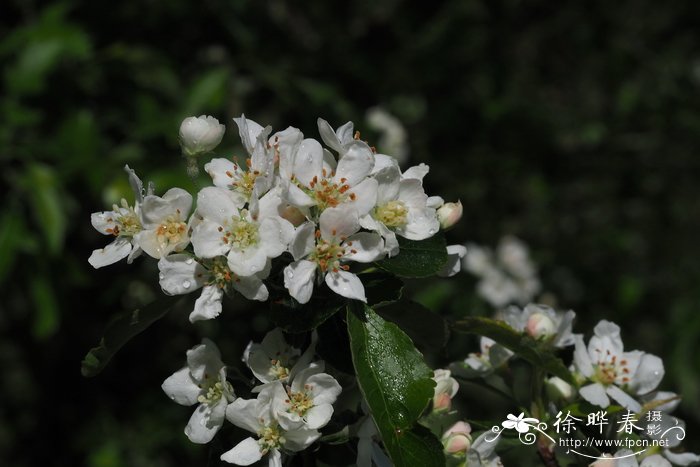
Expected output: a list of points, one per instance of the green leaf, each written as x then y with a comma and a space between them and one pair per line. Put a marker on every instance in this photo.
43, 187
121, 330
48, 315
428, 330
397, 385
208, 92
381, 288
536, 352
420, 258
294, 317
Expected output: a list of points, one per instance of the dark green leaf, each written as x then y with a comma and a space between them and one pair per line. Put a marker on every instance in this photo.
120, 330
421, 258
294, 317
381, 288
397, 385
536, 352
44, 190
428, 330
48, 314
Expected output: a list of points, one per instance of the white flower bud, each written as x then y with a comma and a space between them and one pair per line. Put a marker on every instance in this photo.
457, 439
558, 389
449, 214
539, 325
199, 135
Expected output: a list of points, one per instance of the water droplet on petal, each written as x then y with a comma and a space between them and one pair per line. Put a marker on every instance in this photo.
202, 422
189, 261
431, 231
290, 273
161, 276
186, 284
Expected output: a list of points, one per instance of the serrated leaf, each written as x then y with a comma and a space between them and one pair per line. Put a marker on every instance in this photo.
417, 258
536, 352
428, 330
397, 385
120, 330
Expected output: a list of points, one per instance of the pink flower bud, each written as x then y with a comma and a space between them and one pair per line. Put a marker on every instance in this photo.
449, 214
457, 440
539, 325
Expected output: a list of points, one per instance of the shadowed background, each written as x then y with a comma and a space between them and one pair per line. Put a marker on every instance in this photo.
574, 128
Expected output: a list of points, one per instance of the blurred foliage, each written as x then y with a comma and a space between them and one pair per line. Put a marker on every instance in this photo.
573, 126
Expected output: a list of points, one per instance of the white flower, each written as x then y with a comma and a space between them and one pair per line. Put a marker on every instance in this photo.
308, 400
326, 250
401, 209
274, 360
446, 388
181, 274
492, 356
201, 134
164, 222
122, 222
257, 416
202, 381
482, 452
311, 176
248, 238
611, 371
259, 176
455, 254
506, 277
449, 214
542, 322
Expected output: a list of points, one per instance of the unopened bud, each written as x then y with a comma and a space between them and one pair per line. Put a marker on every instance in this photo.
539, 325
558, 389
449, 214
199, 135
457, 439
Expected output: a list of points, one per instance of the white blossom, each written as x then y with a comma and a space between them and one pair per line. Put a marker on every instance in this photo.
202, 381
257, 416
326, 250
491, 356
181, 274
455, 254
612, 373
542, 322
248, 238
164, 222
201, 134
307, 400
122, 222
274, 360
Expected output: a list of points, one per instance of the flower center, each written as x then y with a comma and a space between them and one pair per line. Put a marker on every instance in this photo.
214, 393
299, 402
128, 223
221, 275
278, 371
240, 233
270, 438
172, 231
244, 181
328, 255
327, 193
392, 214
609, 369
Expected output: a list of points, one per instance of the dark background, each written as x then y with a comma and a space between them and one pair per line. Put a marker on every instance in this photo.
574, 127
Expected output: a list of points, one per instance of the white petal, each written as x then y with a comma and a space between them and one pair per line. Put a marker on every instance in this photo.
248, 262
303, 242
388, 184
318, 416
208, 305
300, 439
434, 202
244, 453
180, 274
299, 280
346, 284
324, 388
364, 247
175, 202
382, 161
328, 135
582, 360
110, 254
181, 388
245, 413
595, 394
655, 461
248, 130
421, 223
683, 458
204, 360
136, 184
624, 399
208, 240
287, 142
251, 288
218, 204
104, 222
329, 162
275, 235
295, 196
205, 422
355, 165
339, 222
649, 374
308, 161
274, 458
417, 172
223, 172
365, 196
